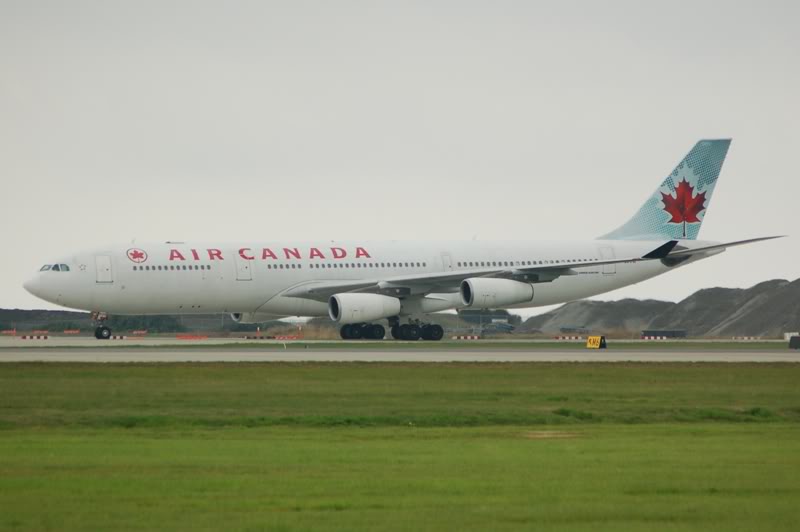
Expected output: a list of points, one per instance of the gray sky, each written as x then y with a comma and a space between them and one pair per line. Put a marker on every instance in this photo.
400, 120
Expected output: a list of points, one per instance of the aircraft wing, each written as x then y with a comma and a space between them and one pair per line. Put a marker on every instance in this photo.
423, 283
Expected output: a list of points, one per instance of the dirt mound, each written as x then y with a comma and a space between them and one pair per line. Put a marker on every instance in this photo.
767, 309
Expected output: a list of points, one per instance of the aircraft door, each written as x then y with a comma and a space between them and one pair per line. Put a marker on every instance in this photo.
103, 269
243, 269
447, 262
607, 253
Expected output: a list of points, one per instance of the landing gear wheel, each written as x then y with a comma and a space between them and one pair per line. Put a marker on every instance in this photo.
410, 332
396, 332
102, 333
432, 332
375, 331
352, 331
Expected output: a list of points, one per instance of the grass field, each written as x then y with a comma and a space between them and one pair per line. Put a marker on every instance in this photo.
400, 446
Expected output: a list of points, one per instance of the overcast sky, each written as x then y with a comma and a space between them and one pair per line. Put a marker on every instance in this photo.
301, 120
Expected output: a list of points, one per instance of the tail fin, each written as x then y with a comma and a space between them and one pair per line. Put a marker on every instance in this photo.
677, 208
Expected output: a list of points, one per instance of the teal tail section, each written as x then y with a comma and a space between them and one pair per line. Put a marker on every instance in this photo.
677, 208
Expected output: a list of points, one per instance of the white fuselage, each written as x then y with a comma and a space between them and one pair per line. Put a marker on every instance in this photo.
183, 278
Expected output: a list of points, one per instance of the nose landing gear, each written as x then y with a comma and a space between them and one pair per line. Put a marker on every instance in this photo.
101, 332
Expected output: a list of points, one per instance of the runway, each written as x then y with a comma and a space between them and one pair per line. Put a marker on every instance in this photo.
483, 354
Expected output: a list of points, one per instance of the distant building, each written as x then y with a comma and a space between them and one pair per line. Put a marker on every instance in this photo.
582, 329
665, 333
485, 316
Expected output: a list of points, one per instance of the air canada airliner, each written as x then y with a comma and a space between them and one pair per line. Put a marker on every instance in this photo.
360, 284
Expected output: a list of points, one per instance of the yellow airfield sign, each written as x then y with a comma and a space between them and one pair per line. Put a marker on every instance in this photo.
596, 342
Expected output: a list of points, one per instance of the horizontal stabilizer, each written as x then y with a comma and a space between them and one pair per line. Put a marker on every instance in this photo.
684, 252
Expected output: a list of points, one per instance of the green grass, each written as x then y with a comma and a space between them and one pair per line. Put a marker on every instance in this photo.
399, 446
392, 394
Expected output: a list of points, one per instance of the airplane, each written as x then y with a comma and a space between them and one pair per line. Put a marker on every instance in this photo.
359, 284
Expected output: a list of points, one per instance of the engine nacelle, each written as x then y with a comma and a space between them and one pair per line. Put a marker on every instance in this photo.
356, 308
252, 317
480, 292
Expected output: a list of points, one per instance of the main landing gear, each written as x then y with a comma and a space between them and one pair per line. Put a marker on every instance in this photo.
357, 331
413, 332
407, 331
101, 332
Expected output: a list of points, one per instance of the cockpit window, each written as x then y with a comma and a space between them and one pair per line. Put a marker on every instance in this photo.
54, 268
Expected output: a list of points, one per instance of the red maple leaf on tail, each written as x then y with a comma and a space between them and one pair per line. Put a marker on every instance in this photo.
683, 207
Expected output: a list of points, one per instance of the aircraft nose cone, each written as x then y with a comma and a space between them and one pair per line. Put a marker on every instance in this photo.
33, 286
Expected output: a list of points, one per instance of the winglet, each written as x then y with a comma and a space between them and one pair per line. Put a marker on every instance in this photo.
661, 251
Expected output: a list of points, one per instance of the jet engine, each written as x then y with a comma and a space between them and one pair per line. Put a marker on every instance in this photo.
252, 317
479, 292
356, 308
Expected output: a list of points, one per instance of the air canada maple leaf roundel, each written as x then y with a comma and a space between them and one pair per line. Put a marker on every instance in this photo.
683, 207
137, 255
